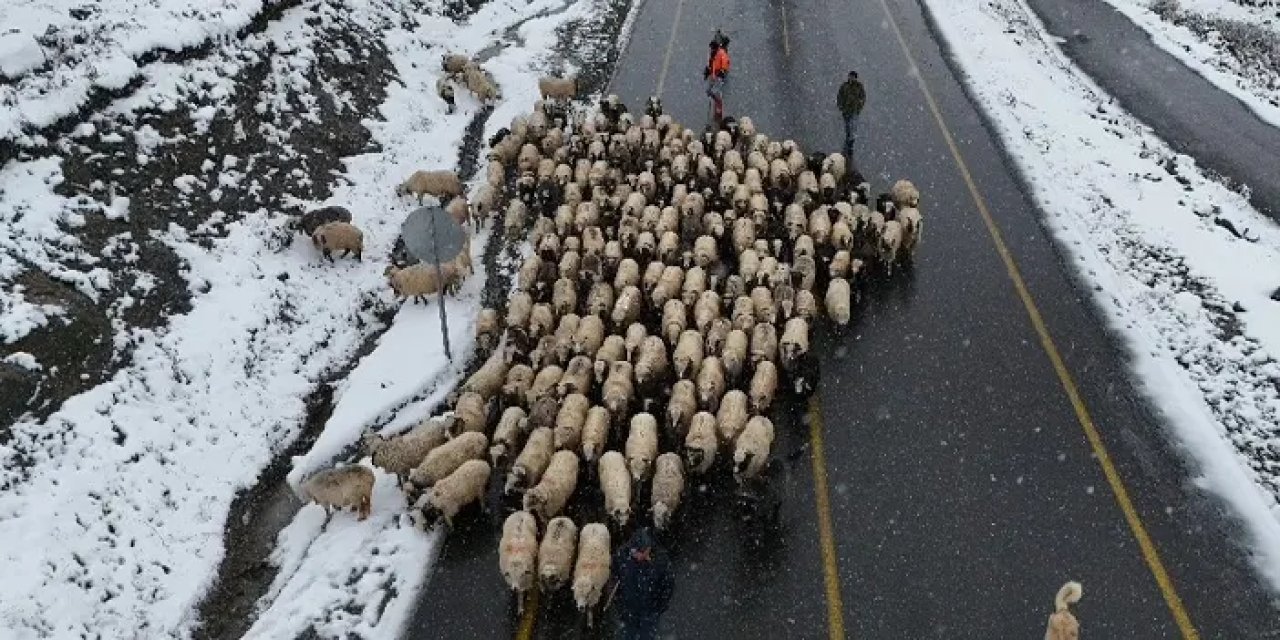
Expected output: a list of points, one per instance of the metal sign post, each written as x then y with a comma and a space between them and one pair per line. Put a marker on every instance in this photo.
433, 237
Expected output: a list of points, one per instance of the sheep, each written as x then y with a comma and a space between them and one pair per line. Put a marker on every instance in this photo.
744, 234
715, 334
470, 413
890, 243
762, 303
445, 458
764, 342
744, 313
838, 301
748, 264
731, 417
695, 282
618, 389
588, 337
600, 301
401, 453
547, 498
312, 220
820, 225
349, 486
794, 343
558, 89
569, 269
764, 383
681, 406
518, 554
805, 272
595, 433
652, 276
509, 435
453, 63
514, 220
480, 84
627, 309
841, 264
668, 286
557, 553
806, 305
711, 383
751, 449
487, 381
564, 296
488, 329
611, 350
338, 236
675, 320
543, 412
420, 280
835, 165
635, 336
912, 228
517, 384
615, 484
706, 310
1063, 624
734, 354
651, 362
688, 354
544, 383
592, 570
642, 446
440, 184
905, 194
450, 494
570, 421
542, 320
668, 487
458, 210
532, 462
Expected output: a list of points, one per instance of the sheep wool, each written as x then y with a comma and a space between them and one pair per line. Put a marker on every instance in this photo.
509, 435
518, 554
615, 484
751, 450
642, 446
701, 443
459, 489
838, 303
732, 416
668, 487
350, 486
400, 454
548, 497
532, 461
446, 458
595, 433
591, 571
338, 236
557, 553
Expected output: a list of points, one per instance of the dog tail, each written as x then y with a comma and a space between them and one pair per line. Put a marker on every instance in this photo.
1069, 594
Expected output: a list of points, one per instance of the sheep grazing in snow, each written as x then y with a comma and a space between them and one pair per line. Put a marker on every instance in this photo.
444, 89
668, 487
751, 450
547, 498
448, 496
481, 84
453, 63
445, 459
615, 484
401, 453
642, 446
591, 571
558, 89
419, 280
1063, 624
487, 381
557, 553
701, 443
338, 236
350, 486
509, 435
518, 554
905, 194
440, 184
532, 461
312, 220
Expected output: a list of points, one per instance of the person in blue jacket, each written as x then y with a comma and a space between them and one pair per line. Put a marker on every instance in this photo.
645, 585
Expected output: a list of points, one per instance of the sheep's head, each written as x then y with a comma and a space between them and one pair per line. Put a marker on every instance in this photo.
661, 516
694, 457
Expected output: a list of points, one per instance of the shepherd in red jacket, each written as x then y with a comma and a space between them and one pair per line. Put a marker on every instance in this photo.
714, 74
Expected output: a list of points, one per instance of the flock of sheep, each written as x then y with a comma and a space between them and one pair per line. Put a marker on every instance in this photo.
672, 285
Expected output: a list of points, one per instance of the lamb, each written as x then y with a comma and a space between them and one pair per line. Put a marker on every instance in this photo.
591, 572
734, 354
509, 435
547, 499
1062, 623
338, 236
615, 484
595, 433
688, 354
557, 553
470, 413
420, 280
838, 301
675, 320
751, 450
710, 383
764, 343
532, 461
701, 443
445, 459
642, 446
312, 220
905, 194
732, 416
518, 554
794, 344
680, 408
618, 389
440, 184
448, 496
668, 487
764, 383
401, 453
349, 486
570, 421
558, 89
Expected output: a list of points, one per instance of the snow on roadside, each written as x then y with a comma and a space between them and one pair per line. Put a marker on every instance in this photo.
1139, 221
1209, 53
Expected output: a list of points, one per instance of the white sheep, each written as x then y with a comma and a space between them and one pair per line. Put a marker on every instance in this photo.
611, 350
794, 343
470, 413
441, 184
544, 383
338, 236
350, 486
706, 310
557, 553
806, 305
764, 384
710, 383
487, 381
445, 459
449, 495
615, 484
912, 229
592, 570
905, 194
532, 461
564, 297
488, 329
518, 554
589, 336
701, 443
675, 319
595, 433
558, 89
547, 498
420, 280
401, 453
618, 389
681, 406
570, 420
751, 450
688, 354
627, 309
744, 313
762, 303
838, 302
577, 377
890, 242
480, 84
735, 353
512, 428
668, 487
651, 362
732, 416
642, 446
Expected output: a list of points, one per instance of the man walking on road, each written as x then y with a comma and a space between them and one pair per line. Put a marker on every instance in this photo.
714, 74
851, 98
644, 584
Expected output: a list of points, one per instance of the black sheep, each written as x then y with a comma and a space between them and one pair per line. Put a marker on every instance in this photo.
312, 220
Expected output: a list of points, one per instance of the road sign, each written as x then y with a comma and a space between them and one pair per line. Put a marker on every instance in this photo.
433, 237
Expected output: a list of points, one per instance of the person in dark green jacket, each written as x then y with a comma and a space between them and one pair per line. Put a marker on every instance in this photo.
851, 98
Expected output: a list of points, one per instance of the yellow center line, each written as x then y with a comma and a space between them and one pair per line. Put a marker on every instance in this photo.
826, 532
525, 630
671, 44
1149, 552
786, 37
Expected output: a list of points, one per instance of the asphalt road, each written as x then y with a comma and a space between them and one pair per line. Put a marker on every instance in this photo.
963, 489
1188, 111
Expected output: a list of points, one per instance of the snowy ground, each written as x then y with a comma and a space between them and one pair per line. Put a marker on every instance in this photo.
1235, 44
1139, 221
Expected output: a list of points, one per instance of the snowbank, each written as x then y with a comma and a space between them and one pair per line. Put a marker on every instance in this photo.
1168, 277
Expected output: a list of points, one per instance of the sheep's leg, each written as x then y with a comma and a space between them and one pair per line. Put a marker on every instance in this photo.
328, 254
366, 506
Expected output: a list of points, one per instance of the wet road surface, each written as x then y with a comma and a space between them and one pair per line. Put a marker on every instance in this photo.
963, 488
1189, 112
